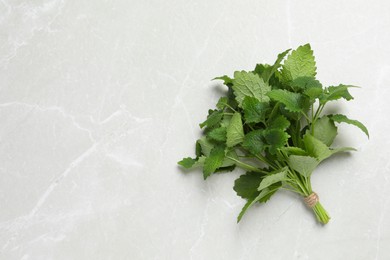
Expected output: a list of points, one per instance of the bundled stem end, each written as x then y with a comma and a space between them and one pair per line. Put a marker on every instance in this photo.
312, 201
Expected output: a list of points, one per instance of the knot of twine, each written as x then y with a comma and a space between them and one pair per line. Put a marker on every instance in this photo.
311, 200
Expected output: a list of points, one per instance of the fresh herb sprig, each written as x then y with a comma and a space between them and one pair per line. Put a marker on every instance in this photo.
270, 124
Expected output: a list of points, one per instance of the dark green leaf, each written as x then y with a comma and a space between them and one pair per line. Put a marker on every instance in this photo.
246, 185
264, 194
254, 110
214, 118
226, 80
275, 139
254, 142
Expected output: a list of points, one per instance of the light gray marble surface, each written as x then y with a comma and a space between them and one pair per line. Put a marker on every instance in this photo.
100, 99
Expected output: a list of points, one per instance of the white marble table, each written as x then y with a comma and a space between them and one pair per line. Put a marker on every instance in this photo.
100, 99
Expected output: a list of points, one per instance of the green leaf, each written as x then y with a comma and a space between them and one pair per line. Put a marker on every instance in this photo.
279, 122
254, 142
206, 146
305, 165
246, 185
300, 63
263, 194
275, 139
313, 93
344, 119
263, 70
222, 103
214, 118
276, 65
213, 161
293, 102
342, 149
292, 150
187, 162
217, 134
278, 176
248, 204
325, 130
190, 163
249, 84
227, 161
235, 131
226, 80
316, 148
198, 149
335, 93
226, 120
305, 83
254, 110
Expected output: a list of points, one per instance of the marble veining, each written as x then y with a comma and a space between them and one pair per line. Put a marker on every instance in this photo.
99, 100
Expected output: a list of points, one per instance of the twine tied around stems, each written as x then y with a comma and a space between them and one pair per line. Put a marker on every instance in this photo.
311, 200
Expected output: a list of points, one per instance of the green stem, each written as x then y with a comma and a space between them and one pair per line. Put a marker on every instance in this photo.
245, 166
321, 214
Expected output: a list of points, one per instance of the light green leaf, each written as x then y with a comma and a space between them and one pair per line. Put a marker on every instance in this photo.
235, 131
254, 110
213, 161
344, 119
249, 84
227, 161
313, 93
226, 120
187, 162
300, 63
292, 150
294, 102
342, 149
335, 93
205, 145
217, 134
325, 130
222, 103
305, 165
278, 176
190, 163
316, 148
